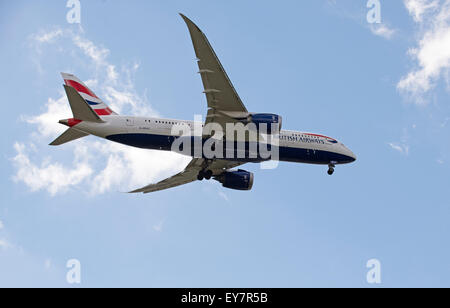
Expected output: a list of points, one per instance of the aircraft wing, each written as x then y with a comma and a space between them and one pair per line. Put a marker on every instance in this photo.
224, 103
189, 174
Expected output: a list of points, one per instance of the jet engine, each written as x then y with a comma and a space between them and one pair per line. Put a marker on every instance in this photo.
264, 122
238, 180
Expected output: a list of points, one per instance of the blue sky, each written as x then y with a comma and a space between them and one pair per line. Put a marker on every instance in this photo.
381, 89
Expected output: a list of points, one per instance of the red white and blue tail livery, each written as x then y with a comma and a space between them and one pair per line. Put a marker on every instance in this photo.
87, 94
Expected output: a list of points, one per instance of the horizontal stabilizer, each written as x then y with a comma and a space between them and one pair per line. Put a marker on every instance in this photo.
80, 108
69, 135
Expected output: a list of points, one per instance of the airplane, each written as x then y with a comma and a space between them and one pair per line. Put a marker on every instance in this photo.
91, 116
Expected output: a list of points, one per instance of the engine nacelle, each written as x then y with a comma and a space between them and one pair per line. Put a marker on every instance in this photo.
268, 119
239, 180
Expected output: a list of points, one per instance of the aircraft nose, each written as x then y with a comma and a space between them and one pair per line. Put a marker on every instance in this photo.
352, 155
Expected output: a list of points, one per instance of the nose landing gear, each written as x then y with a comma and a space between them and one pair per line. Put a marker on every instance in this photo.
331, 169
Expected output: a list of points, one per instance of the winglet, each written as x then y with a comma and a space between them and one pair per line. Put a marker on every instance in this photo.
184, 17
190, 23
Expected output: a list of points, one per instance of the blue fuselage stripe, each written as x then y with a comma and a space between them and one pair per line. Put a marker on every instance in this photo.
289, 154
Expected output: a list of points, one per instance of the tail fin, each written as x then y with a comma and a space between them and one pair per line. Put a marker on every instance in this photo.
85, 105
80, 109
95, 103
81, 112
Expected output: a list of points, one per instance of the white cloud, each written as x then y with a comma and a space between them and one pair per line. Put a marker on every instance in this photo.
97, 166
158, 227
4, 244
432, 54
1, 225
46, 37
121, 99
382, 30
133, 167
418, 8
47, 122
51, 176
98, 56
353, 12
223, 195
400, 147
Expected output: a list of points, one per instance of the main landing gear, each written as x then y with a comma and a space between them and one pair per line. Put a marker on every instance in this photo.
207, 175
331, 169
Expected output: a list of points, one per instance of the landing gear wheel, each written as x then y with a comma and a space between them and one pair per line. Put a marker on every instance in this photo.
200, 176
330, 169
208, 174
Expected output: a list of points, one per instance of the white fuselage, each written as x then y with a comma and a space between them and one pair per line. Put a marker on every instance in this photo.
159, 133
